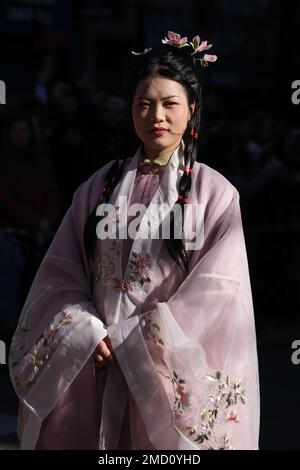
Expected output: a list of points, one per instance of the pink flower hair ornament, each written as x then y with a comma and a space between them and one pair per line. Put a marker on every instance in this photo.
198, 46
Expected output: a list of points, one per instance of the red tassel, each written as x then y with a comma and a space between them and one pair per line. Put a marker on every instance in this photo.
187, 170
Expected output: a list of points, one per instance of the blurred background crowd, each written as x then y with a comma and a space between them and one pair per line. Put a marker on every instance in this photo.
66, 66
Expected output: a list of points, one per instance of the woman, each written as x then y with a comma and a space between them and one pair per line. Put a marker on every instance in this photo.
144, 341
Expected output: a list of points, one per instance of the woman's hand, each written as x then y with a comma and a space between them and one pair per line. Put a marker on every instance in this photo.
103, 353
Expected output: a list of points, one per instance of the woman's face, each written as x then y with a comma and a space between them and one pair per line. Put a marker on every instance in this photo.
160, 112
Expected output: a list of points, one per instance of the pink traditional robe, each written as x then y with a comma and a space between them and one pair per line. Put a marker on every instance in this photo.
185, 374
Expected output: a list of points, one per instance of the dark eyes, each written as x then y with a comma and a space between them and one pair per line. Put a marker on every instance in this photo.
169, 103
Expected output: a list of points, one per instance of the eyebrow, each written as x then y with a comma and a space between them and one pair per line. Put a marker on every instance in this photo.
164, 98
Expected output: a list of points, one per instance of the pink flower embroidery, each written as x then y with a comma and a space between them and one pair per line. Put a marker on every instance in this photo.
37, 357
140, 265
232, 417
143, 261
175, 39
152, 331
184, 396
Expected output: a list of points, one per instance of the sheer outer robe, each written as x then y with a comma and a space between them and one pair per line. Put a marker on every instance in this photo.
185, 345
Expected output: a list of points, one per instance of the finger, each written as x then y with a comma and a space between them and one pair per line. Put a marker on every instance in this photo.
104, 351
101, 346
108, 343
99, 358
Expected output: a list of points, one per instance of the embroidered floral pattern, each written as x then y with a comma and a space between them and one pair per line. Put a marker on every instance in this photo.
223, 394
182, 398
140, 265
224, 444
151, 330
40, 353
108, 270
231, 416
226, 393
107, 267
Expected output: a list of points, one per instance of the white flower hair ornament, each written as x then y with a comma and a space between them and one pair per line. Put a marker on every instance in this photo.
198, 46
145, 51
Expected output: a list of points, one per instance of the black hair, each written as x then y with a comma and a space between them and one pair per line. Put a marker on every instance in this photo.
175, 64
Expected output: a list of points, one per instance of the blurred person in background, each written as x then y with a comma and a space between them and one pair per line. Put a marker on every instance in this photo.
29, 195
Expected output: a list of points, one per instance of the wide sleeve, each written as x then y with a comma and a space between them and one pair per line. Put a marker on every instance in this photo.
191, 363
59, 327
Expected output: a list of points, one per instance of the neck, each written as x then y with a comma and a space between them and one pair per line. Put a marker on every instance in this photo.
153, 155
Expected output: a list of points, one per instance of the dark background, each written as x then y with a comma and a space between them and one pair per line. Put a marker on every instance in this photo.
66, 67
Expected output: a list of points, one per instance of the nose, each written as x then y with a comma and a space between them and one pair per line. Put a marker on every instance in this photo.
158, 115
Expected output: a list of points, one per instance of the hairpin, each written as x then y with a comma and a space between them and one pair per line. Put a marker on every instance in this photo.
198, 46
174, 39
145, 51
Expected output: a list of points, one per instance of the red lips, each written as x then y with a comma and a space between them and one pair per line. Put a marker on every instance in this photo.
158, 129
